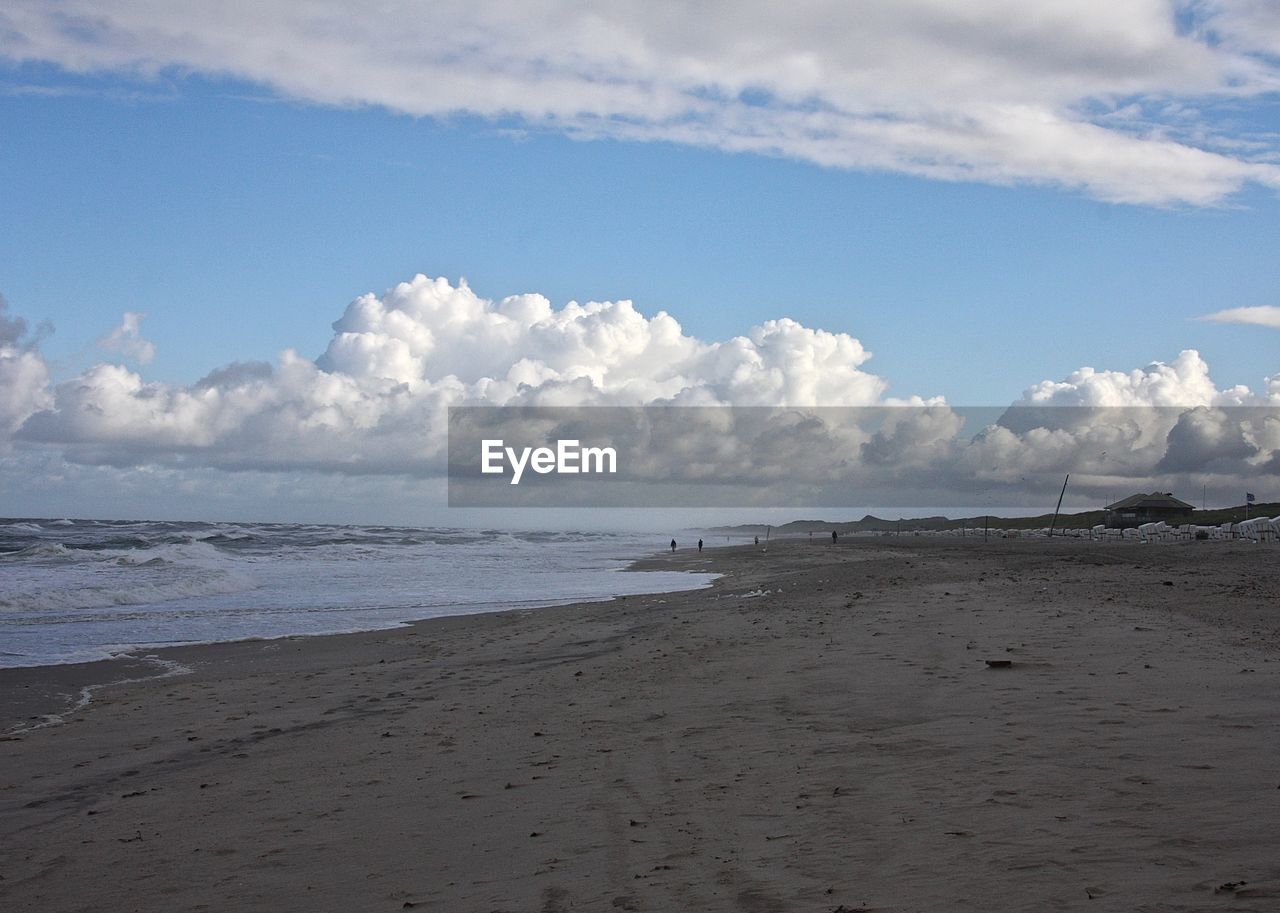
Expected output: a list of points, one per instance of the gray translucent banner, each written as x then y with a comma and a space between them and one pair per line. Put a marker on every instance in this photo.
722, 456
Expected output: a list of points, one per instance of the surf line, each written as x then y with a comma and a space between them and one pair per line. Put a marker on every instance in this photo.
169, 669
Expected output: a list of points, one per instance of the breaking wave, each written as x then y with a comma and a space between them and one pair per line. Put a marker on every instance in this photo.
72, 590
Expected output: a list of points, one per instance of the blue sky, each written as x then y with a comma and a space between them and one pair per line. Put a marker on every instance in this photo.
242, 227
240, 200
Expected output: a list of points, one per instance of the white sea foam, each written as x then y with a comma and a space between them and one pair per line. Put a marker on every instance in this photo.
167, 668
41, 550
70, 592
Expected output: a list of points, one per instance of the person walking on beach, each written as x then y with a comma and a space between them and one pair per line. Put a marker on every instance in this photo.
834, 536
699, 546
673, 545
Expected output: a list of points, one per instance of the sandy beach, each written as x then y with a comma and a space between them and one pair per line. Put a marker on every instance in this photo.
820, 731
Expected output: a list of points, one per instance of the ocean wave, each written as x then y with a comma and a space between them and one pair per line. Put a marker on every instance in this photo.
70, 586
180, 584
21, 527
39, 551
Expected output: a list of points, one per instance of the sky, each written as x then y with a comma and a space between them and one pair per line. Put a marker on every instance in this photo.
215, 218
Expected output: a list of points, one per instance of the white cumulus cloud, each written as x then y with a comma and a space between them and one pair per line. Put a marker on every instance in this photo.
1110, 427
1183, 382
1115, 97
376, 401
24, 377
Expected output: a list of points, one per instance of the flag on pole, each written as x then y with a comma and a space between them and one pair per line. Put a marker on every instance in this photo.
1249, 498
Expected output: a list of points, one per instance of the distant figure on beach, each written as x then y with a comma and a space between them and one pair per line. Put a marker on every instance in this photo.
699, 545
757, 540
673, 545
834, 536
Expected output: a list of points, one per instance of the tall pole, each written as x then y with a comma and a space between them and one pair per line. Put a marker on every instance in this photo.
1057, 509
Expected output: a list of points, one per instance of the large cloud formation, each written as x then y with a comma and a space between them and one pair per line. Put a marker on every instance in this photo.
376, 402
1121, 98
376, 399
1114, 429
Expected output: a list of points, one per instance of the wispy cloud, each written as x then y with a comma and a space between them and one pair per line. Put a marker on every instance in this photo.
1267, 315
127, 339
117, 94
1116, 98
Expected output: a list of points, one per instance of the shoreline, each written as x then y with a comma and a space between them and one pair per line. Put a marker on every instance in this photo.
54, 682
817, 729
36, 696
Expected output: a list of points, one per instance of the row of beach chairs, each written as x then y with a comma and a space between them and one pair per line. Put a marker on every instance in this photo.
1256, 529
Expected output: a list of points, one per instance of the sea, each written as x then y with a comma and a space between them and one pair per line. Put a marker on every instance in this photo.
81, 590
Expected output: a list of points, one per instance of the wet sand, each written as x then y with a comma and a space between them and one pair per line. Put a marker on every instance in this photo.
820, 731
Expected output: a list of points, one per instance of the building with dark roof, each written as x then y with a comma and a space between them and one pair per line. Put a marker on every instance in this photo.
1143, 508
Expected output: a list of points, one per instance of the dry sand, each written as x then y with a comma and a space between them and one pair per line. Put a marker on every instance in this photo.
818, 732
